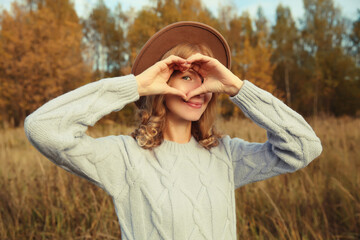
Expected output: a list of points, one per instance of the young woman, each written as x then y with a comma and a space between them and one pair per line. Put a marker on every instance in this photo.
175, 176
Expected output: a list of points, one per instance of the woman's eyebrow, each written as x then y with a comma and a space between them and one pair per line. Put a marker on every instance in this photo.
192, 72
195, 73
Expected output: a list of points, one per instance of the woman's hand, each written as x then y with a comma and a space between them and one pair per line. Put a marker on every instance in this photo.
153, 81
217, 78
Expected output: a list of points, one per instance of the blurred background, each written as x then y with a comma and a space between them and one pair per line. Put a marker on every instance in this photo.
306, 53
311, 61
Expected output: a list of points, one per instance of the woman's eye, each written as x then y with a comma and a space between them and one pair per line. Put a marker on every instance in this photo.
186, 78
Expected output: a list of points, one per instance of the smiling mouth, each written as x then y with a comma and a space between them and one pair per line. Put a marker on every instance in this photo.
193, 105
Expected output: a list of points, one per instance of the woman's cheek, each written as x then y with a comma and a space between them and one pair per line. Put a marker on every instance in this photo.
179, 86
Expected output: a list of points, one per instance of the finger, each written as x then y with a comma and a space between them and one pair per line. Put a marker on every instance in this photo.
196, 91
181, 67
174, 59
185, 67
196, 67
198, 57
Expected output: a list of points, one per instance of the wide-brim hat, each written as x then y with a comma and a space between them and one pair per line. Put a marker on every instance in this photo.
174, 34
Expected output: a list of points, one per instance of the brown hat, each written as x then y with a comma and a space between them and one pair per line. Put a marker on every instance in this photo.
174, 34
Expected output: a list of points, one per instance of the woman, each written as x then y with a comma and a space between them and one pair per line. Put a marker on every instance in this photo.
174, 177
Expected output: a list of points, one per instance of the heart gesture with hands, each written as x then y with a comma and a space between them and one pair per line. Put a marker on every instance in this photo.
153, 81
217, 78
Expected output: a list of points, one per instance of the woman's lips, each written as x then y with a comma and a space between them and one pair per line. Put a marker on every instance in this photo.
194, 105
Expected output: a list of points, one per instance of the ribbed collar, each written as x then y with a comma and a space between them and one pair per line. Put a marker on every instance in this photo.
174, 147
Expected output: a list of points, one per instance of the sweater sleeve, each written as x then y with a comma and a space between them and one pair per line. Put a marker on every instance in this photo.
291, 145
57, 129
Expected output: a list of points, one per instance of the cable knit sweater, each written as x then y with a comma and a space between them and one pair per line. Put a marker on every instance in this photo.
176, 191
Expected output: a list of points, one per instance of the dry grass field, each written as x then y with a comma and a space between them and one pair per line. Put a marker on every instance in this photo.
41, 201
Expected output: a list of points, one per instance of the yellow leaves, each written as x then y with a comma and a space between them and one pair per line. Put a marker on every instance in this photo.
40, 58
253, 63
150, 20
42, 50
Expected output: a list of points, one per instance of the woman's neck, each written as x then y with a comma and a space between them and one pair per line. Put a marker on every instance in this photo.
177, 130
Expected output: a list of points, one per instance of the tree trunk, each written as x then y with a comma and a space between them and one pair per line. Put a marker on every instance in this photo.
287, 86
316, 97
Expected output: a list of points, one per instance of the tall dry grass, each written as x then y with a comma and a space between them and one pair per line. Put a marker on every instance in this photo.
41, 201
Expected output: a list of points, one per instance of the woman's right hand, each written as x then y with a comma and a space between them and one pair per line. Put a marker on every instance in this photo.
153, 81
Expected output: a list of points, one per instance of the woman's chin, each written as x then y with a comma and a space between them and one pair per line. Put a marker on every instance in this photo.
192, 118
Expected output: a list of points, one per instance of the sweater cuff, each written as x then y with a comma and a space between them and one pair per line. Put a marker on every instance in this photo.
125, 87
250, 97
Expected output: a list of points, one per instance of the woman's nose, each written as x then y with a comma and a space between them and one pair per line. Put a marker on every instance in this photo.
200, 96
198, 82
193, 86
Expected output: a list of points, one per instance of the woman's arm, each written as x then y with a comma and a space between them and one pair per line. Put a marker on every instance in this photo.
291, 145
57, 129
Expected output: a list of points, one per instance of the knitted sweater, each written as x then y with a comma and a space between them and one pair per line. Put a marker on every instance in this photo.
175, 191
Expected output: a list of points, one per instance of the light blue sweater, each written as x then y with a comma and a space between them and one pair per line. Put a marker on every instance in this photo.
176, 191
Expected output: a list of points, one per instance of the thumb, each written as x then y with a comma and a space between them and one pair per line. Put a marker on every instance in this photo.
195, 92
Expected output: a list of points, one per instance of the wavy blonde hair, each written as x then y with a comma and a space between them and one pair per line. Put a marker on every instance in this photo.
149, 134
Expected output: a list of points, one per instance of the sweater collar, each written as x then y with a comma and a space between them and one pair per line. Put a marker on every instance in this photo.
174, 147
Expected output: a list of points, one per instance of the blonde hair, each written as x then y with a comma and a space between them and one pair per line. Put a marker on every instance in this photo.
149, 134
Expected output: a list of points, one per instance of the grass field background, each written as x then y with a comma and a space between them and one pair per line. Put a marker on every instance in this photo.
41, 201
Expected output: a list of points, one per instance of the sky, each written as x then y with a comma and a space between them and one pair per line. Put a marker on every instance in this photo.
348, 7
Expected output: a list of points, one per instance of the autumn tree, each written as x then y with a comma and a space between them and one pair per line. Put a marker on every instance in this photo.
43, 50
323, 34
250, 50
355, 39
40, 56
105, 37
149, 20
261, 68
284, 37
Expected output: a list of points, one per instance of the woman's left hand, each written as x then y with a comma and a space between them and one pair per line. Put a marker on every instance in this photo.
217, 78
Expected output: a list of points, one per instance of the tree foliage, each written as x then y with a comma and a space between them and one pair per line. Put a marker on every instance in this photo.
45, 50
151, 19
284, 38
105, 37
40, 56
323, 34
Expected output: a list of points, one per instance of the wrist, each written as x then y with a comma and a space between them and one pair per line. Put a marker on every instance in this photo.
235, 87
140, 87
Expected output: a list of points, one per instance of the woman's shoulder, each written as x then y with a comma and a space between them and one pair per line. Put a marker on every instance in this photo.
223, 145
113, 143
125, 140
225, 140
228, 140
122, 147
223, 149
228, 143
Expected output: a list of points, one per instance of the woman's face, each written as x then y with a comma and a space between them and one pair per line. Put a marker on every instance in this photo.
194, 107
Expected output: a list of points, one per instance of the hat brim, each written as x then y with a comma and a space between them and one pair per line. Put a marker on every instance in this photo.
174, 34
